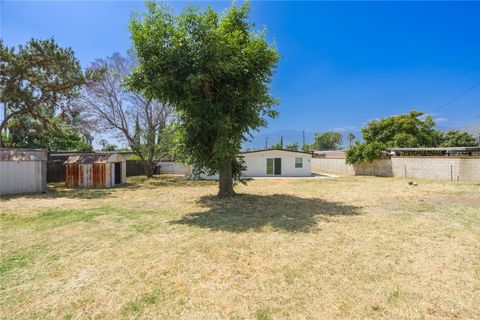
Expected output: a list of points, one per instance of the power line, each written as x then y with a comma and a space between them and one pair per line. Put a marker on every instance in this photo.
456, 98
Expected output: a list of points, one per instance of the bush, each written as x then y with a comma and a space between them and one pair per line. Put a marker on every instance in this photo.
365, 152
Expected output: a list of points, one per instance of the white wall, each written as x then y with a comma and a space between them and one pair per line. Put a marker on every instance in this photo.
22, 177
256, 163
171, 167
441, 168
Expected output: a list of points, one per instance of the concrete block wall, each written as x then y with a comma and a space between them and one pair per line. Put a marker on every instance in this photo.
441, 168
337, 166
380, 168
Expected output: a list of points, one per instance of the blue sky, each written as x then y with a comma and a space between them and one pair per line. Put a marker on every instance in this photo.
342, 64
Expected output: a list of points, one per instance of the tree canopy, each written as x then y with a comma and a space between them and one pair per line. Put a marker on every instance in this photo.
214, 70
37, 82
410, 130
329, 140
455, 138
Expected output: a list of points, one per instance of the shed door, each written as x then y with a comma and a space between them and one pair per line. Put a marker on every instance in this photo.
278, 166
118, 173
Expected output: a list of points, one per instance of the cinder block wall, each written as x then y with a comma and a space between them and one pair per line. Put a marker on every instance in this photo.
337, 166
441, 168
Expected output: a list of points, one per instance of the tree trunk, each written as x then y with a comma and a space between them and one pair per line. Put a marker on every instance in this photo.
226, 180
147, 169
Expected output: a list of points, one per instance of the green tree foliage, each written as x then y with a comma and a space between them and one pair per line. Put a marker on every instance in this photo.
37, 81
404, 131
351, 138
25, 132
106, 146
214, 70
329, 140
277, 146
306, 147
456, 138
408, 130
365, 152
292, 146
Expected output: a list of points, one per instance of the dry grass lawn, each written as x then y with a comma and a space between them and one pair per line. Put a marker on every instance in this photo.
346, 248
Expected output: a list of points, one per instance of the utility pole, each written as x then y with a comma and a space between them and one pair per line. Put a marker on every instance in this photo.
266, 142
281, 142
303, 134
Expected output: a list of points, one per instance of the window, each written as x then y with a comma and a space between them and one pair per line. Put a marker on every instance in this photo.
269, 165
298, 162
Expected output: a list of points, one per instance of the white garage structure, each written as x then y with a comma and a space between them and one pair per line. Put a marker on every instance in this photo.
23, 170
273, 163
277, 163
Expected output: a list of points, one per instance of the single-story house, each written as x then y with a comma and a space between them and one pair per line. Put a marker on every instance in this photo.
274, 163
23, 170
95, 170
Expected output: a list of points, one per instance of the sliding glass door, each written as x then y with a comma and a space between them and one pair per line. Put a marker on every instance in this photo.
274, 166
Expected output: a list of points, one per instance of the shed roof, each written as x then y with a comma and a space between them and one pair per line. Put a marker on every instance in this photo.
95, 158
15, 154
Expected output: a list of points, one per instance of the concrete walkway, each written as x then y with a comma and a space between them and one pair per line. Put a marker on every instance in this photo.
313, 176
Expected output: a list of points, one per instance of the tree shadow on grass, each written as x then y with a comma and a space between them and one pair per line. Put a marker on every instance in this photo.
253, 212
165, 180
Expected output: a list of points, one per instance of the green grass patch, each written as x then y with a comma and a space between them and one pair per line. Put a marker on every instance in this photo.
136, 306
12, 262
55, 218
263, 313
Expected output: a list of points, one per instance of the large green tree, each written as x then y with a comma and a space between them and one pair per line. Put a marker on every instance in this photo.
37, 81
329, 140
409, 130
455, 138
214, 70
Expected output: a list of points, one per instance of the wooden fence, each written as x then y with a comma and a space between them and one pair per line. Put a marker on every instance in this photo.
56, 170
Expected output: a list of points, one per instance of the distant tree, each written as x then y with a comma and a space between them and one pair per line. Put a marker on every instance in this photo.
26, 132
403, 131
37, 83
215, 71
138, 119
350, 138
306, 147
454, 138
106, 146
292, 146
277, 146
329, 140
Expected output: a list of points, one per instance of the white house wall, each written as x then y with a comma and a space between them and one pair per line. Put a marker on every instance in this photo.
256, 163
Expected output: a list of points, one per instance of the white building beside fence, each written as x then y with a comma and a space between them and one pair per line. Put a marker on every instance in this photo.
23, 170
273, 163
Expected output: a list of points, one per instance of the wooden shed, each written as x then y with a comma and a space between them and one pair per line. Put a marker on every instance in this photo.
23, 170
96, 170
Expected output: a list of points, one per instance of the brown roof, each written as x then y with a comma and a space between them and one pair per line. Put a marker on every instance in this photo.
95, 158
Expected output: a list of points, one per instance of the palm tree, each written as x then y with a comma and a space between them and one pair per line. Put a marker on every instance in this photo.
350, 138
